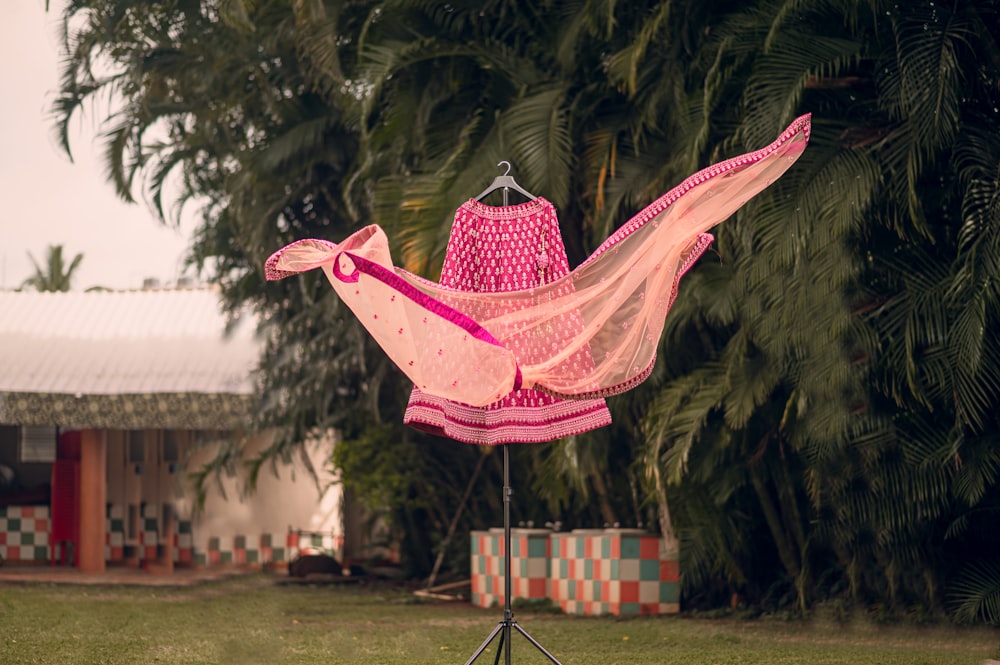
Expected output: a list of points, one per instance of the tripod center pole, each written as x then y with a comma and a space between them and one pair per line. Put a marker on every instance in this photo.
507, 612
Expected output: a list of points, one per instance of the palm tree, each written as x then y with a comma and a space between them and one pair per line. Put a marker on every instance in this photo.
251, 119
822, 417
254, 106
55, 275
457, 88
852, 301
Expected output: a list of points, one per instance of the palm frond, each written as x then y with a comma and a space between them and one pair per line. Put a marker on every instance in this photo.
677, 415
752, 378
781, 76
536, 129
927, 40
975, 157
975, 593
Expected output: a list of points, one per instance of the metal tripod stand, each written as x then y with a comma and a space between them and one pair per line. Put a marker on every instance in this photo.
507, 623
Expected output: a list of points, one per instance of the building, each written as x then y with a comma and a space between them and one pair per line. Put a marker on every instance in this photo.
109, 401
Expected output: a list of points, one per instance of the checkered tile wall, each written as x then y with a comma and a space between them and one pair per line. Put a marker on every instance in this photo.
24, 533
612, 571
244, 550
148, 537
313, 542
529, 551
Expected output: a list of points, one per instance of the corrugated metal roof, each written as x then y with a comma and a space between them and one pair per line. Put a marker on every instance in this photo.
123, 342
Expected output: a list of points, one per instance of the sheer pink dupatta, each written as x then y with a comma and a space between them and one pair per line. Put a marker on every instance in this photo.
453, 344
438, 348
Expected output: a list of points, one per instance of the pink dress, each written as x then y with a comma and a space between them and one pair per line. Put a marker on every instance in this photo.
508, 327
498, 250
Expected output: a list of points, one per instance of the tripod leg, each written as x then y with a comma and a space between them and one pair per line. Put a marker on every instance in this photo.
508, 614
537, 645
482, 647
508, 645
500, 645
503, 629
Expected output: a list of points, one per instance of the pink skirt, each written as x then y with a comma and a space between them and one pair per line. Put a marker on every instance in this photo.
498, 250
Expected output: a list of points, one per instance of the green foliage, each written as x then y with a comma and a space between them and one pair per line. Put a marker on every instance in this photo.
822, 421
976, 593
55, 274
375, 466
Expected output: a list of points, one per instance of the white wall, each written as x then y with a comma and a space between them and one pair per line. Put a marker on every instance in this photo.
290, 499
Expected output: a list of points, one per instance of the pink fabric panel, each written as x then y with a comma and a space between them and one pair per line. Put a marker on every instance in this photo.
502, 250
438, 348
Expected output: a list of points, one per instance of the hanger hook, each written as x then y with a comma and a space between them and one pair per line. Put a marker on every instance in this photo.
508, 166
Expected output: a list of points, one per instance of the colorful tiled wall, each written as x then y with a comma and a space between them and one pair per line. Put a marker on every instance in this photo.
529, 559
24, 533
114, 534
487, 568
313, 542
184, 542
149, 535
146, 545
244, 550
613, 571
24, 536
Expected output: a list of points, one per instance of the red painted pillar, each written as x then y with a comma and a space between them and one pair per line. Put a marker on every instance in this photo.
93, 497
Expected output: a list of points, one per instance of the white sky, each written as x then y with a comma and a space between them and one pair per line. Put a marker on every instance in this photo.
47, 199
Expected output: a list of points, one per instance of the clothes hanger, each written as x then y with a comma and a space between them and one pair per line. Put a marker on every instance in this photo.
505, 182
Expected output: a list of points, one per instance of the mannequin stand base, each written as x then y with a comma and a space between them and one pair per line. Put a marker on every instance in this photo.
507, 624
503, 632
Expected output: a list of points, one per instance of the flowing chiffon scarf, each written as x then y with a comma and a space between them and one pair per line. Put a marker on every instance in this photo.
460, 345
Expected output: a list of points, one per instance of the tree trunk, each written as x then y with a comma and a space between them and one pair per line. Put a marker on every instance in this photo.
788, 501
781, 542
607, 512
671, 544
454, 520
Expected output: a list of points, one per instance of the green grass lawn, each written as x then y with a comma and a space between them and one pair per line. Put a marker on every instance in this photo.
254, 620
